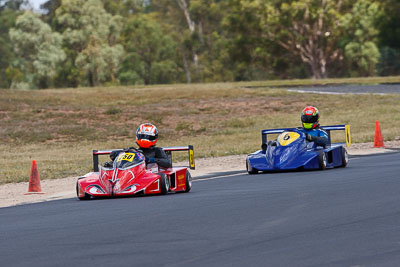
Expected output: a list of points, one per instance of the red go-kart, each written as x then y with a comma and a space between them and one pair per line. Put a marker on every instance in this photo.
129, 176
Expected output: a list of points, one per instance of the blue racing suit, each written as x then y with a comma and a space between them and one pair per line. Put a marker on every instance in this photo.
316, 135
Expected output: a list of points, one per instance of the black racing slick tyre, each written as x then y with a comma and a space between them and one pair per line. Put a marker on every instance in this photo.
188, 181
164, 183
345, 157
86, 197
250, 169
322, 160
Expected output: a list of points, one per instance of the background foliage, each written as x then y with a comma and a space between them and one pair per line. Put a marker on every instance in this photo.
73, 43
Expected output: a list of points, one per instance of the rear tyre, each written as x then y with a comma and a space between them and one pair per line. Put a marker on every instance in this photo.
250, 169
164, 183
322, 160
188, 181
345, 157
86, 197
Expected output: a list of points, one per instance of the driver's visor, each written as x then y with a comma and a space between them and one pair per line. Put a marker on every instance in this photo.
309, 119
146, 137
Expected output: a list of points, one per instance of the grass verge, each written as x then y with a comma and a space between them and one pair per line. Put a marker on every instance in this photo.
60, 127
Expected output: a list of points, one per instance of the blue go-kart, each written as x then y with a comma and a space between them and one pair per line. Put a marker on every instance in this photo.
291, 151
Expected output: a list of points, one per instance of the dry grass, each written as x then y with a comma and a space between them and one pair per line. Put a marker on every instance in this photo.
59, 128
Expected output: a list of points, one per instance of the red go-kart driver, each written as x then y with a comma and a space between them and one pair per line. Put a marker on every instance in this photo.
310, 120
146, 138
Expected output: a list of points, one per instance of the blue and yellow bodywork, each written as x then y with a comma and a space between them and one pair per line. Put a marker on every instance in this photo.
291, 151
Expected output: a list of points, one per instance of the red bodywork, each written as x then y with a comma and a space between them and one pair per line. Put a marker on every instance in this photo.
133, 180
138, 182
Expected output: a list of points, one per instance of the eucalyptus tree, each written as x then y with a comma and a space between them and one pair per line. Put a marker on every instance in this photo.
38, 52
315, 30
91, 39
389, 38
9, 11
196, 26
150, 53
361, 48
13, 4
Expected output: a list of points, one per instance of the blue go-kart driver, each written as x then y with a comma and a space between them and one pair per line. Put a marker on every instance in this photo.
310, 120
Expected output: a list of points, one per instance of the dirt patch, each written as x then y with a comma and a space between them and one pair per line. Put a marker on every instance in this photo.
13, 194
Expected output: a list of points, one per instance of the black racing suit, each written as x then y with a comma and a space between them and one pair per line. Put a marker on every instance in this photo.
152, 155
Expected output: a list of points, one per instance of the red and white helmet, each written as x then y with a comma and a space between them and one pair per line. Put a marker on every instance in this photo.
146, 135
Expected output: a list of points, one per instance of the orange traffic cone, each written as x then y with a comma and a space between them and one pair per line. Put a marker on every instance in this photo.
378, 139
34, 180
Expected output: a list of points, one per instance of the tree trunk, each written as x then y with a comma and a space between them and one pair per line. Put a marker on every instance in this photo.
316, 72
192, 27
186, 67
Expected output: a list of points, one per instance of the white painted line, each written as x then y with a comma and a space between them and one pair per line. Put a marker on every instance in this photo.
334, 93
217, 177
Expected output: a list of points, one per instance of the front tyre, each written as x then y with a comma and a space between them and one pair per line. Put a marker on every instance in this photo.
250, 169
164, 183
322, 161
188, 181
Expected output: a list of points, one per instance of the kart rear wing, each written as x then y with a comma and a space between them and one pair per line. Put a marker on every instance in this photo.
189, 148
168, 151
342, 127
328, 129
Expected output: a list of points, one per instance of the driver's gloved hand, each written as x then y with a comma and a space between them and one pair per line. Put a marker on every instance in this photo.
108, 164
113, 155
272, 143
309, 137
150, 160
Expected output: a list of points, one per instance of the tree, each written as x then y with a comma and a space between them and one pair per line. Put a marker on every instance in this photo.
196, 26
309, 29
389, 38
49, 7
312, 30
91, 37
12, 4
151, 53
250, 53
125, 7
9, 11
38, 52
7, 20
209, 40
171, 16
361, 48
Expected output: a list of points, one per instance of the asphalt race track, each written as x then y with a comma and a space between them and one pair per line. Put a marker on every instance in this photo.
337, 217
